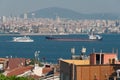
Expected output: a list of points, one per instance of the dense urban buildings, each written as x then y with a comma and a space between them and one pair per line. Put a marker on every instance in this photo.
56, 26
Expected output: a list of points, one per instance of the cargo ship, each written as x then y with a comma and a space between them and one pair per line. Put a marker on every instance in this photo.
90, 38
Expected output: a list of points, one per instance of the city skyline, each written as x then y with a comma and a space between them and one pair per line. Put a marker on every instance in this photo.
14, 7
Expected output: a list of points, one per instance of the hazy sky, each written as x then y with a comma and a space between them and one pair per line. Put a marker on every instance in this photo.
16, 7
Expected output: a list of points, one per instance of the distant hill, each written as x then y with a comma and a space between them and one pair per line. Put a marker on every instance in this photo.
52, 12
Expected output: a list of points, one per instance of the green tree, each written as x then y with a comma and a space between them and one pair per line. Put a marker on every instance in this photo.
3, 77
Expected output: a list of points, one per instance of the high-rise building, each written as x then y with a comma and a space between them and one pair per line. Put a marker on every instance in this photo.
4, 19
25, 16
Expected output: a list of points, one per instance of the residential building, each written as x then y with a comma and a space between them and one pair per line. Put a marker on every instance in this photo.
100, 66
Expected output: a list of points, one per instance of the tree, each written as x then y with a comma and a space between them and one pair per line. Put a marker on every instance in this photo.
3, 77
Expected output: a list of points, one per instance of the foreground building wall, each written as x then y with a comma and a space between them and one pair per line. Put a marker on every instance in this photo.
67, 68
96, 72
69, 71
100, 66
65, 71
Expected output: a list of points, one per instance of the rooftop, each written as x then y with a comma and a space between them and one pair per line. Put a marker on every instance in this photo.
78, 62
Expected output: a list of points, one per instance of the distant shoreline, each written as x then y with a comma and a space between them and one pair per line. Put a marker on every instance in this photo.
32, 34
25, 34
36, 34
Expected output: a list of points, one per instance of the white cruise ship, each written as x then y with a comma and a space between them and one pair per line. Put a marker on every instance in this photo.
22, 39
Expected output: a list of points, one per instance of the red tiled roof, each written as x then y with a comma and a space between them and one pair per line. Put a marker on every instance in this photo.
46, 70
15, 63
19, 70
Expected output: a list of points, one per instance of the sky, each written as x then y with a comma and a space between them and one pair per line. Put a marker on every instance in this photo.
17, 7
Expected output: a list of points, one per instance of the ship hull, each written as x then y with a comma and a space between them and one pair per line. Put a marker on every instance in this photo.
22, 39
72, 39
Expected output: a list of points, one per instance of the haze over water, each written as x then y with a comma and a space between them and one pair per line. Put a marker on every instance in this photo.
14, 7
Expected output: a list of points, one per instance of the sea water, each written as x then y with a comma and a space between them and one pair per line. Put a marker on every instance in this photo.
51, 50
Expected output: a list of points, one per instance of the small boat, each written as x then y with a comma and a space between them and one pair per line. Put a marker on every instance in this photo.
90, 38
22, 39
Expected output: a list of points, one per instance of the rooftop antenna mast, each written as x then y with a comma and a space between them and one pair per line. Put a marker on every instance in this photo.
113, 50
93, 50
83, 51
100, 56
72, 52
117, 53
36, 56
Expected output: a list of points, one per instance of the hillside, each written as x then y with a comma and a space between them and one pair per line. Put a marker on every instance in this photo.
52, 12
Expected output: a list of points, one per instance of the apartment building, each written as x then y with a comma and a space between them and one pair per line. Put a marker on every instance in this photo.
100, 66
